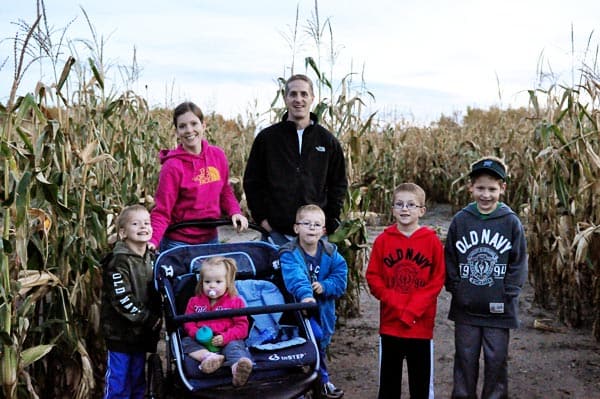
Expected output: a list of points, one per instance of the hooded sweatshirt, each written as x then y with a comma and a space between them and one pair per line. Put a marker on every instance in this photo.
231, 328
486, 266
130, 304
331, 272
406, 274
192, 186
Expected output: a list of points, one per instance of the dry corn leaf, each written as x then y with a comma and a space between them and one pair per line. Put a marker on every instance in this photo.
543, 325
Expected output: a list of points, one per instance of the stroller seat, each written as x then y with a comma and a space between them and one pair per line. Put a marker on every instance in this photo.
280, 339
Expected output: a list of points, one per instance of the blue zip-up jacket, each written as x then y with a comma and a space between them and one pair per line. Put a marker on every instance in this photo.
486, 266
332, 275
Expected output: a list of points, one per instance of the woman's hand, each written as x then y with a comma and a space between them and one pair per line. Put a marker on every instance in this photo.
240, 222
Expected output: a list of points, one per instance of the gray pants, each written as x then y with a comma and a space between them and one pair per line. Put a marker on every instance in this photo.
468, 342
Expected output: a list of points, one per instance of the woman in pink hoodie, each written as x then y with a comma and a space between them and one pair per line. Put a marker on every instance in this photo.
193, 184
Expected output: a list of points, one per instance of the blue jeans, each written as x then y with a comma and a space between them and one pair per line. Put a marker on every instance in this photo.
318, 332
125, 377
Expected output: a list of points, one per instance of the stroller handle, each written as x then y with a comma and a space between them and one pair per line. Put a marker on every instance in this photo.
210, 223
247, 311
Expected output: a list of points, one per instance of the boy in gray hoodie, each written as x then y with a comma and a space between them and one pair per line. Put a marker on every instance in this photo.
486, 266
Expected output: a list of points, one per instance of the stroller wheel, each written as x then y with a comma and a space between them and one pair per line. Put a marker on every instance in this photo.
155, 377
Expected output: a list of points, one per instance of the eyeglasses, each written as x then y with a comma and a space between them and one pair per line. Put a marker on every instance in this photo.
310, 225
411, 206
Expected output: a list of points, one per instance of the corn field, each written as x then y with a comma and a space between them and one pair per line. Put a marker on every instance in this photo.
73, 153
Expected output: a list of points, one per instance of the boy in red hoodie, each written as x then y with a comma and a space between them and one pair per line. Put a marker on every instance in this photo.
406, 273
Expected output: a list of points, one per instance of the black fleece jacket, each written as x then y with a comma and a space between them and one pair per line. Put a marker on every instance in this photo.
279, 178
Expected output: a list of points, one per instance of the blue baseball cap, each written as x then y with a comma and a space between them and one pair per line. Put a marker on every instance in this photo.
489, 166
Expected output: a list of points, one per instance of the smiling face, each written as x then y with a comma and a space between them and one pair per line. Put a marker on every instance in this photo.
190, 132
137, 229
214, 280
486, 191
407, 209
298, 100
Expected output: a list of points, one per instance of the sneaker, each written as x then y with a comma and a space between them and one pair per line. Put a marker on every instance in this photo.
331, 392
241, 371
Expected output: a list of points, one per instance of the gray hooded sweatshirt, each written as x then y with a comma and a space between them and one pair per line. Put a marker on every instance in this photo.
486, 266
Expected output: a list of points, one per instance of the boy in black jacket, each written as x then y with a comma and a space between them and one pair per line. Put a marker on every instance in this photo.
130, 311
486, 266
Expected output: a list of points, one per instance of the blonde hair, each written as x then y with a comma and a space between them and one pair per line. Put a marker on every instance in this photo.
309, 208
230, 271
125, 215
413, 189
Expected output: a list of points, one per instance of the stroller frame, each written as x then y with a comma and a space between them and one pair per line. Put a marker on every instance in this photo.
264, 383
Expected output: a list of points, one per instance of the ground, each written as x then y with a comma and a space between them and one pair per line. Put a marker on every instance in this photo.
542, 364
562, 363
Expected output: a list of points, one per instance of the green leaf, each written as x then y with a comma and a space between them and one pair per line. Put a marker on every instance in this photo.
32, 355
96, 73
23, 190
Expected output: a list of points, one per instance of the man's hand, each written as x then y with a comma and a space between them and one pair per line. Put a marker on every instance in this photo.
265, 225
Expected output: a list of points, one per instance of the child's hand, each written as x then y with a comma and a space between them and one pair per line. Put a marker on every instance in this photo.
317, 287
310, 299
151, 247
217, 340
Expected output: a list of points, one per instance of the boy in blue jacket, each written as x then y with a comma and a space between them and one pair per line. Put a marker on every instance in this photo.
314, 271
486, 266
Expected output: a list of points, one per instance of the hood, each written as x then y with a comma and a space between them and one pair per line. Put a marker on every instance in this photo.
182, 154
122, 248
290, 246
501, 210
421, 232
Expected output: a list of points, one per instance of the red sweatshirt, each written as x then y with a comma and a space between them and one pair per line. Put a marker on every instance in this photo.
406, 274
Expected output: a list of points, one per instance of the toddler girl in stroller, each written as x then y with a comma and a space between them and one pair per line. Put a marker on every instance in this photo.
216, 291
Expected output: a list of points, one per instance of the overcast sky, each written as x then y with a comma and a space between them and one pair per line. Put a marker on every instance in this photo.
419, 58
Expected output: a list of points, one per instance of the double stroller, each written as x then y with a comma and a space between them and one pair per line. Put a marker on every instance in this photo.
285, 366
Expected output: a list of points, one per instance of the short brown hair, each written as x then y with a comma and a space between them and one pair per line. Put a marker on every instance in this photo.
184, 107
299, 77
230, 271
411, 188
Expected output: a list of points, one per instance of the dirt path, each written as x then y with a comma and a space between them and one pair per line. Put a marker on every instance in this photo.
542, 364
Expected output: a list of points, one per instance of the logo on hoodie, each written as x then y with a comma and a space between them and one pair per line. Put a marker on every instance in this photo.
481, 268
207, 175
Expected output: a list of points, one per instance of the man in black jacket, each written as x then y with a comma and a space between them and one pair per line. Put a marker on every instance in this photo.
293, 163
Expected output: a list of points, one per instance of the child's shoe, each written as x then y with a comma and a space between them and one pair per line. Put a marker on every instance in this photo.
331, 392
211, 363
241, 371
